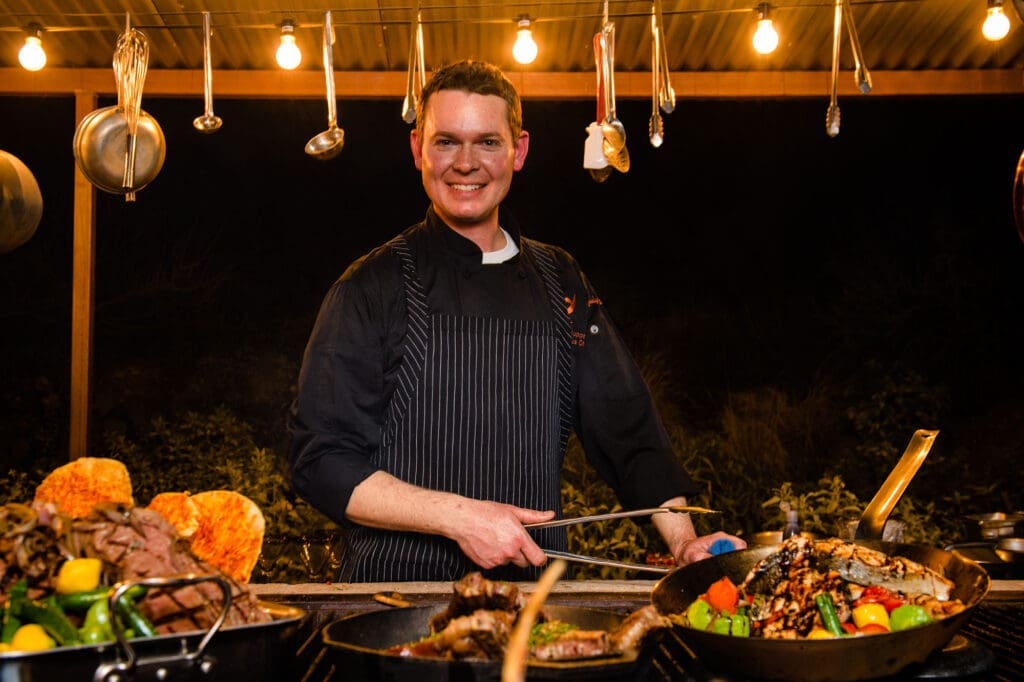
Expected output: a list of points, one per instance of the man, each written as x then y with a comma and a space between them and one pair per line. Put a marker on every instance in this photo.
448, 367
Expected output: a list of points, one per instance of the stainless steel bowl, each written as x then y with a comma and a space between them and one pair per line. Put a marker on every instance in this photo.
996, 525
1011, 549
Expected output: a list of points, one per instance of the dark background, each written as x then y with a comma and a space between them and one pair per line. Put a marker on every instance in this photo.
750, 250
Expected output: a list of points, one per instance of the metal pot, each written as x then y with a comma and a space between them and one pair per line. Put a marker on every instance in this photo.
101, 149
356, 645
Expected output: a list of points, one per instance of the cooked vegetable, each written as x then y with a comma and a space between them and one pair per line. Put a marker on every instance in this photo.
819, 633
723, 595
78, 575
32, 637
81, 601
134, 619
699, 614
827, 610
870, 613
908, 616
876, 594
96, 628
47, 614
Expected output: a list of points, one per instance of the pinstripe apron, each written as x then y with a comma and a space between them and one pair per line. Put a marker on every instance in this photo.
482, 408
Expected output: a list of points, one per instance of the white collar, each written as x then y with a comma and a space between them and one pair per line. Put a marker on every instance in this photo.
503, 254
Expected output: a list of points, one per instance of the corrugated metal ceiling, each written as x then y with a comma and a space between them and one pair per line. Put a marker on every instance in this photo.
702, 35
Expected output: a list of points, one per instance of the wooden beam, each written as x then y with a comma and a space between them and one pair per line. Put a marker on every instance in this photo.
83, 281
569, 86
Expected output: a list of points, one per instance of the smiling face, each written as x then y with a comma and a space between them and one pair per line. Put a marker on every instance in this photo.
467, 155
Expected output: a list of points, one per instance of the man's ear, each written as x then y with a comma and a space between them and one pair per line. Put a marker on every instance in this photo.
414, 144
522, 147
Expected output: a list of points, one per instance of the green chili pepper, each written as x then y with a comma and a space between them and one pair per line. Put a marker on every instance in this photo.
698, 614
96, 627
53, 620
82, 601
829, 618
134, 619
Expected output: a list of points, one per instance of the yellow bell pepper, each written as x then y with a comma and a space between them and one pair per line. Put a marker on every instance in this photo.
820, 633
870, 613
78, 575
32, 637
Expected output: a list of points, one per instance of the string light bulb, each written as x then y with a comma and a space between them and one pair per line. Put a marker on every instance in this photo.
766, 39
32, 55
525, 49
997, 24
289, 55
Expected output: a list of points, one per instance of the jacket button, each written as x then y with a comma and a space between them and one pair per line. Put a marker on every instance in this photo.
466, 274
594, 329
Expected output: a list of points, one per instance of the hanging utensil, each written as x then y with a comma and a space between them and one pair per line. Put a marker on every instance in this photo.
131, 59
666, 95
594, 159
655, 126
860, 71
329, 143
416, 66
832, 115
614, 143
207, 123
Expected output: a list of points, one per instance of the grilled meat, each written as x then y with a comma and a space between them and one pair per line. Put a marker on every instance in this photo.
632, 630
475, 592
575, 644
481, 634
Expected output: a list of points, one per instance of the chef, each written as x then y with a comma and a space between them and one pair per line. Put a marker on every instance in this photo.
447, 368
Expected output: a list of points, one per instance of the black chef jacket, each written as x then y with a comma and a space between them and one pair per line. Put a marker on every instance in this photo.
349, 367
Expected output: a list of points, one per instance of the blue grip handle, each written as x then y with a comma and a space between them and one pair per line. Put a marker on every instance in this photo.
721, 546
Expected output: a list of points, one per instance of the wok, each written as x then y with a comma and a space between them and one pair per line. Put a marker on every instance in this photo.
845, 658
356, 645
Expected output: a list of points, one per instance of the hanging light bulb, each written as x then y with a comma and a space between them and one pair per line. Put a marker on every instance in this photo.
32, 56
765, 37
997, 24
288, 54
525, 49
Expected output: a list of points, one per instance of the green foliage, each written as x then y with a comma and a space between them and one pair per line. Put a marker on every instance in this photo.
199, 452
823, 510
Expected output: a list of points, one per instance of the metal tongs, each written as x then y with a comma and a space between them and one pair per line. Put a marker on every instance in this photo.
580, 558
662, 94
843, 13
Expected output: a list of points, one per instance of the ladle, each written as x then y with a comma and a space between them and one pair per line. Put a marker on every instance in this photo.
655, 127
328, 144
415, 66
207, 123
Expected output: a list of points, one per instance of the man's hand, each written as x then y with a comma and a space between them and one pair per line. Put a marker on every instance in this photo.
492, 534
489, 533
679, 534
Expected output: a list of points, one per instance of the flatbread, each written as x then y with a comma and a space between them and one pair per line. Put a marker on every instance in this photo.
78, 486
230, 534
180, 510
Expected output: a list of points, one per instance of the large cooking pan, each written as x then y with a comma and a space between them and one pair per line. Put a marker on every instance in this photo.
258, 652
845, 658
356, 645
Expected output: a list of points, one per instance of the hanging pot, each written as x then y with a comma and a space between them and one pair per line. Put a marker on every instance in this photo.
21, 204
100, 148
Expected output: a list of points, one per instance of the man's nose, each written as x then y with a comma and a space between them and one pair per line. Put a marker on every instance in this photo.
465, 158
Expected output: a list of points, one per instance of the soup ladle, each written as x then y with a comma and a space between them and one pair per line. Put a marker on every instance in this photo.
207, 123
329, 143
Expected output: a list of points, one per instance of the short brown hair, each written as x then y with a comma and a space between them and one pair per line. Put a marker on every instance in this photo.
480, 78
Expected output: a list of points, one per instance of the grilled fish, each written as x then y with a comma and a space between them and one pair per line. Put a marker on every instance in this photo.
854, 563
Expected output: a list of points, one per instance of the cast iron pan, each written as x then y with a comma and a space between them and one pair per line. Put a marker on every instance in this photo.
356, 646
846, 658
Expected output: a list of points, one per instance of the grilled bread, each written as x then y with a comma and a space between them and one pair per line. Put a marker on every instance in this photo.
78, 486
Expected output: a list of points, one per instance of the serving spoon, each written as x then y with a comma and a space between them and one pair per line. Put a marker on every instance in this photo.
329, 143
208, 122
